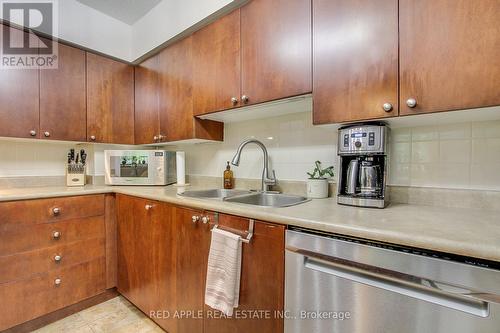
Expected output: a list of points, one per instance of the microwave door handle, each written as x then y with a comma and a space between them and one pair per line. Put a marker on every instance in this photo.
379, 280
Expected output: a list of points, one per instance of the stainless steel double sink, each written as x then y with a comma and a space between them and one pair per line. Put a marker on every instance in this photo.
263, 199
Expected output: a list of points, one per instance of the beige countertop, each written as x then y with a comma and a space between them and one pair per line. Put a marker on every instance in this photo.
469, 232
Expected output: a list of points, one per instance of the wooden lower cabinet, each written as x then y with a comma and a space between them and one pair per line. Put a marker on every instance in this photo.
262, 281
52, 259
162, 264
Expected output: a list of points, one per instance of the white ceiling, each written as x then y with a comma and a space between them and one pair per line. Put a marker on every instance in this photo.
127, 11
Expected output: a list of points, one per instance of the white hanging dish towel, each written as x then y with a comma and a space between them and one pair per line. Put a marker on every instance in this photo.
222, 290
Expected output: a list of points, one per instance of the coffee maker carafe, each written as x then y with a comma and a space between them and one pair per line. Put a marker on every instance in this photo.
363, 161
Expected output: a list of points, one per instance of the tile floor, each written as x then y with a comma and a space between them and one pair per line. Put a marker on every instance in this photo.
114, 316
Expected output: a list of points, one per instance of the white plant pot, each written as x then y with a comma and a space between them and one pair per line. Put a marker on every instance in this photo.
317, 188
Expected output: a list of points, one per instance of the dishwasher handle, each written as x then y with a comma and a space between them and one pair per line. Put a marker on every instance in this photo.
415, 287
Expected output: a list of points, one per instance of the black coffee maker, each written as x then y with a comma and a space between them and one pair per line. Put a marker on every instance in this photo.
363, 164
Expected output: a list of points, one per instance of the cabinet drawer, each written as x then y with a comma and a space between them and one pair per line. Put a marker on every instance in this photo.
30, 212
29, 299
24, 265
29, 238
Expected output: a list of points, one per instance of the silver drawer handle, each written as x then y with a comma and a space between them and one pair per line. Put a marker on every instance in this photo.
57, 282
371, 277
56, 235
56, 211
57, 258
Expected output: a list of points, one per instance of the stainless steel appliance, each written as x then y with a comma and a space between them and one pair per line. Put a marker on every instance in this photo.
363, 165
353, 286
140, 167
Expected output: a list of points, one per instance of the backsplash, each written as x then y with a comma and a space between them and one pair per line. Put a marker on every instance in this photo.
463, 156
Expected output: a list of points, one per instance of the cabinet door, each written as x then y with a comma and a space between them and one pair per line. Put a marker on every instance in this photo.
216, 61
147, 257
449, 54
110, 100
135, 251
355, 60
193, 242
63, 108
176, 102
147, 121
262, 279
275, 49
19, 96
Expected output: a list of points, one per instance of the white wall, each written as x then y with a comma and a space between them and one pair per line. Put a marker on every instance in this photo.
92, 29
167, 19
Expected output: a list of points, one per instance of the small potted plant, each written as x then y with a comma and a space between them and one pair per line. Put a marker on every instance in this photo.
317, 184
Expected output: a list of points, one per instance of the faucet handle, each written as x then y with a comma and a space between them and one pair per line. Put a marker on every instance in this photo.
271, 181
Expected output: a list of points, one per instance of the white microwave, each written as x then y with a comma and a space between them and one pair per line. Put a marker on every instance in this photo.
140, 167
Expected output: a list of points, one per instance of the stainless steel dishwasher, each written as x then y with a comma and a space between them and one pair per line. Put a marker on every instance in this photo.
337, 284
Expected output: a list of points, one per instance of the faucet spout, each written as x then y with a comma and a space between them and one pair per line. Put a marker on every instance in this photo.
267, 180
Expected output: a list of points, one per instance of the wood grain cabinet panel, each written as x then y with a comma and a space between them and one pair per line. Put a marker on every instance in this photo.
262, 279
110, 100
216, 61
19, 96
26, 212
177, 120
355, 60
33, 237
275, 49
147, 101
146, 257
26, 264
63, 108
28, 299
449, 53
192, 244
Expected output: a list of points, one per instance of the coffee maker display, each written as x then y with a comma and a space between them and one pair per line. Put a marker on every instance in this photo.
363, 165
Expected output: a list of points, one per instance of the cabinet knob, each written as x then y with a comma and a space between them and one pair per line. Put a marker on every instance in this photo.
205, 219
155, 138
161, 137
92, 137
411, 102
56, 235
46, 134
148, 207
57, 282
56, 211
33, 133
387, 107
234, 100
195, 218
244, 98
57, 258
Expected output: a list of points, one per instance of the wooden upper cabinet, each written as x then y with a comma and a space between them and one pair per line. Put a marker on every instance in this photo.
177, 120
176, 102
216, 63
63, 108
147, 107
110, 100
19, 96
450, 54
275, 49
355, 71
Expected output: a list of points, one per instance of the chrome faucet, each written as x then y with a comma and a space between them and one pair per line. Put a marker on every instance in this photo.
266, 180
